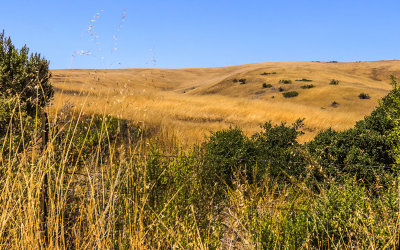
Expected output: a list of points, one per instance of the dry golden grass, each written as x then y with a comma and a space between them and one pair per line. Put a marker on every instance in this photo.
191, 102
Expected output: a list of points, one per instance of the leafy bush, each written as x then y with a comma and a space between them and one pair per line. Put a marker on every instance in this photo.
371, 142
363, 96
27, 77
334, 82
285, 81
269, 151
308, 86
235, 80
264, 85
290, 94
242, 81
303, 80
280, 89
267, 73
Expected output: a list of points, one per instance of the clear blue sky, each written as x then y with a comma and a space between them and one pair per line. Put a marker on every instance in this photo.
202, 33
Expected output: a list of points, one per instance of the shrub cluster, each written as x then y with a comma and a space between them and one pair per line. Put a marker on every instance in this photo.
334, 82
290, 94
303, 80
268, 73
364, 96
242, 81
308, 86
285, 81
265, 85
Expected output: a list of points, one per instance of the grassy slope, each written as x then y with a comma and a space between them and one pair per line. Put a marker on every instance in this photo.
190, 102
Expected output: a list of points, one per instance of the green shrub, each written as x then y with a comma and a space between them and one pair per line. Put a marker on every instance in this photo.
364, 96
290, 94
25, 76
285, 81
308, 86
268, 73
303, 80
226, 152
242, 81
235, 80
334, 82
264, 85
334, 104
369, 143
280, 89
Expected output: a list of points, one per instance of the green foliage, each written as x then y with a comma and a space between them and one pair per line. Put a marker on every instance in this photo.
25, 76
235, 80
334, 104
303, 80
371, 142
290, 94
264, 85
280, 89
364, 96
271, 151
242, 81
308, 86
334, 82
268, 73
285, 81
227, 151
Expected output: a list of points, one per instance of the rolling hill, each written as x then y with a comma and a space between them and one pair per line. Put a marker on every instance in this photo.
191, 102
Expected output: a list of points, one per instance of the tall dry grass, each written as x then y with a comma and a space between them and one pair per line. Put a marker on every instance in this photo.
122, 190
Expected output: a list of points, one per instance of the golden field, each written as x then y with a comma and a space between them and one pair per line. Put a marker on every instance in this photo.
189, 103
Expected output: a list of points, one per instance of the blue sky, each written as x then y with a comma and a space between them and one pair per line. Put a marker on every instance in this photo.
202, 33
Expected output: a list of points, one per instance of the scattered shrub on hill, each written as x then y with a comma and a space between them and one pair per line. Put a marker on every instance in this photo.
280, 89
364, 96
334, 82
268, 73
285, 81
308, 86
290, 94
242, 81
235, 80
334, 104
303, 80
264, 85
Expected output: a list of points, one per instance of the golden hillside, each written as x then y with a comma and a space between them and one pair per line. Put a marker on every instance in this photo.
191, 102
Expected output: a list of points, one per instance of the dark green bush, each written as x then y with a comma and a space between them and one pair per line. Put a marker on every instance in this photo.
303, 80
25, 76
227, 151
363, 96
308, 86
285, 81
269, 151
268, 73
242, 81
365, 149
235, 80
334, 82
280, 89
290, 94
264, 85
